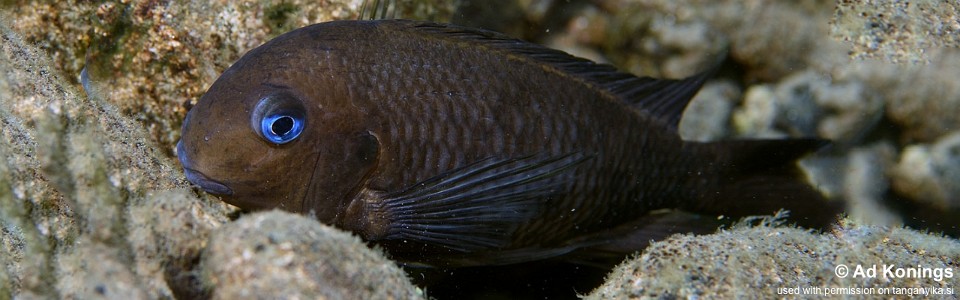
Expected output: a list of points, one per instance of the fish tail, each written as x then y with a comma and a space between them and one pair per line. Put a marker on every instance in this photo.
761, 177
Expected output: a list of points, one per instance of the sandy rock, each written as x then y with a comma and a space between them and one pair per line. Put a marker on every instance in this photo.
921, 99
931, 173
677, 38
153, 58
807, 104
897, 30
168, 230
93, 179
74, 167
93, 270
707, 117
757, 115
754, 262
865, 184
272, 254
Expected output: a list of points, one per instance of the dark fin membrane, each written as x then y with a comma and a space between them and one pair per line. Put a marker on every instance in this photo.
508, 257
761, 177
610, 247
478, 206
605, 249
661, 99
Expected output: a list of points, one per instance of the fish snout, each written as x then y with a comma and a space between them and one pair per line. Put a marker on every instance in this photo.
198, 178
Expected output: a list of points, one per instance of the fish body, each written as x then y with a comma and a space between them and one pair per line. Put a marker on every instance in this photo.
458, 146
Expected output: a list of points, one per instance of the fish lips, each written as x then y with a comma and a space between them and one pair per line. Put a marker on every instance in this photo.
199, 179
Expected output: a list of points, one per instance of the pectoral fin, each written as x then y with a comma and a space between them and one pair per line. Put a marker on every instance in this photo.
477, 206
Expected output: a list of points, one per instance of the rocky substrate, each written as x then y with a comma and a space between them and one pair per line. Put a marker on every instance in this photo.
94, 205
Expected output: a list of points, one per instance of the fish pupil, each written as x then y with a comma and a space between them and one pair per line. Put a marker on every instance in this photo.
282, 126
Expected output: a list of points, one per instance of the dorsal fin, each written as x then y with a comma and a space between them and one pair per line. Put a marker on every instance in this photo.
661, 99
664, 99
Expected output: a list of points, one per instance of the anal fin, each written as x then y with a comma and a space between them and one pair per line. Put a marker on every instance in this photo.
611, 246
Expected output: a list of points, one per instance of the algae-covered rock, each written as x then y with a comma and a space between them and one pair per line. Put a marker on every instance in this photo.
93, 205
799, 81
921, 99
168, 231
90, 178
277, 254
675, 38
707, 116
897, 30
809, 104
94, 270
77, 176
931, 173
764, 262
153, 58
865, 184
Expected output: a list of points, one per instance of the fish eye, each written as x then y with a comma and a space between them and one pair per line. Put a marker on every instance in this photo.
278, 118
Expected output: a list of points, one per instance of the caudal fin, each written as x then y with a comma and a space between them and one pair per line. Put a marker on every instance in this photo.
760, 177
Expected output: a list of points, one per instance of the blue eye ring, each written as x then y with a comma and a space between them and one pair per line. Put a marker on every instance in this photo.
281, 128
279, 118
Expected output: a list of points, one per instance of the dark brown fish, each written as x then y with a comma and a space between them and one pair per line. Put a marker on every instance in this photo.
457, 146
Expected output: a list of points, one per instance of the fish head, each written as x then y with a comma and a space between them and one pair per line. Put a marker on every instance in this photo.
269, 135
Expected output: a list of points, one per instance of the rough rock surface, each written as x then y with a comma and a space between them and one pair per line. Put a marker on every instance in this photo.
154, 58
758, 262
90, 205
93, 204
897, 30
278, 253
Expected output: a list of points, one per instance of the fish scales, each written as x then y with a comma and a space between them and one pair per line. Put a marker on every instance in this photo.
516, 123
457, 146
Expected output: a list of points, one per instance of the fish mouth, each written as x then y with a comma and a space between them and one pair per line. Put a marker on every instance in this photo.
199, 179
207, 184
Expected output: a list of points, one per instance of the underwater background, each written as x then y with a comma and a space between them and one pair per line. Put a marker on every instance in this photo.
94, 205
